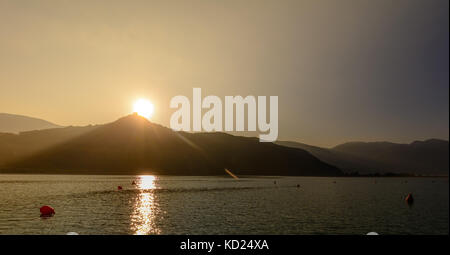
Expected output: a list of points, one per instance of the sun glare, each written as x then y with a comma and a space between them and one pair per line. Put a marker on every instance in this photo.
144, 108
145, 208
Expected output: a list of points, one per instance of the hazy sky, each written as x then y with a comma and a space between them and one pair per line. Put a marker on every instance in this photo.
343, 70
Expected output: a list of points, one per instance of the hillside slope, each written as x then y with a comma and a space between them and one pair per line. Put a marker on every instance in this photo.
12, 123
133, 145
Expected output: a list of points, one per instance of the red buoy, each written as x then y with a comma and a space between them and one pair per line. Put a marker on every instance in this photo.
119, 187
409, 199
47, 211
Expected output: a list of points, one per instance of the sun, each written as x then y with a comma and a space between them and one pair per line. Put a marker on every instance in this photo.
144, 108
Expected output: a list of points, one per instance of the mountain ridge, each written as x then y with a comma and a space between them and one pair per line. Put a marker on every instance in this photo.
133, 144
14, 123
428, 157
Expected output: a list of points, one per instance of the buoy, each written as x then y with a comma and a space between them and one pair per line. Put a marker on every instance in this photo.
119, 187
47, 211
409, 199
298, 185
274, 182
133, 183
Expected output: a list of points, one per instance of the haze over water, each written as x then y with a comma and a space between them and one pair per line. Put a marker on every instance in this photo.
221, 205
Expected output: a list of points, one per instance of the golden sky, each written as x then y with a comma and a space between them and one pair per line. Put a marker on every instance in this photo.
343, 70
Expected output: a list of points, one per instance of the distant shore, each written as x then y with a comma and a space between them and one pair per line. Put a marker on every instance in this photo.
98, 172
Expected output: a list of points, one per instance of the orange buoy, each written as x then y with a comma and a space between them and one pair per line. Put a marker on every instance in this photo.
409, 199
119, 187
47, 211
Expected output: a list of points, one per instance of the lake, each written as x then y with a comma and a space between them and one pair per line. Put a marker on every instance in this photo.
92, 204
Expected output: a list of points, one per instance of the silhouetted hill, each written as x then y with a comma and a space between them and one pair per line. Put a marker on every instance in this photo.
347, 162
17, 146
420, 157
133, 145
11, 123
428, 157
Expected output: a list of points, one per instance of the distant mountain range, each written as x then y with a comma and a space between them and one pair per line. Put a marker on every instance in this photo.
428, 157
133, 145
12, 123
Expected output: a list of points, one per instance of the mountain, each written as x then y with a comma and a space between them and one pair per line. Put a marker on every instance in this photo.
133, 145
17, 146
347, 162
12, 123
420, 157
428, 157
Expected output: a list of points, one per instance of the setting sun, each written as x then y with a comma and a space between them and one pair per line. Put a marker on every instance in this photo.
144, 108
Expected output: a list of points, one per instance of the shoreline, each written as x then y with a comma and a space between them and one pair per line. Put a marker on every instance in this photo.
225, 175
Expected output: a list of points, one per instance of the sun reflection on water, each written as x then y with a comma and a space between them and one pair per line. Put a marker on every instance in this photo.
146, 182
144, 214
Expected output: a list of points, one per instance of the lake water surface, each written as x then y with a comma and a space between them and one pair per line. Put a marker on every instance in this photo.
89, 204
